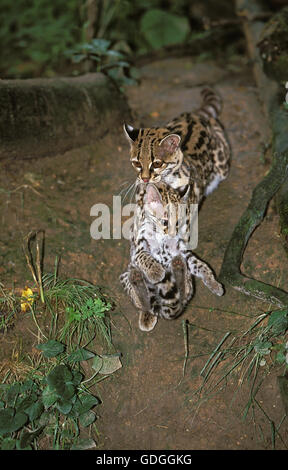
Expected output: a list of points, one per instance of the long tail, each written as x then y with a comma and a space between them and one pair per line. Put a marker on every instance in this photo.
211, 103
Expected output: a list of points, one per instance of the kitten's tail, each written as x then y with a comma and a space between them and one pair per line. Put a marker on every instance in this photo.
211, 103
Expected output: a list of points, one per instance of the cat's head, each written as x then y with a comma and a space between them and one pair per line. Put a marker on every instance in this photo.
153, 152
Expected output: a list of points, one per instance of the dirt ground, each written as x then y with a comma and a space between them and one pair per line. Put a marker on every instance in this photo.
148, 404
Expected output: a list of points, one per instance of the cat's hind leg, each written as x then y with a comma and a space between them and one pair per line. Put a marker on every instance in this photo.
134, 285
182, 277
200, 269
147, 321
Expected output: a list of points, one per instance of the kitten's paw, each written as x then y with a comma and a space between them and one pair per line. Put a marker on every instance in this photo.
155, 273
178, 263
147, 321
216, 287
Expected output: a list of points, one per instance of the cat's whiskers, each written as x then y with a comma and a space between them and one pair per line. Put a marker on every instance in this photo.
128, 191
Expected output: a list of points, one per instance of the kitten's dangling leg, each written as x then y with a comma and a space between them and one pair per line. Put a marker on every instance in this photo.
200, 269
147, 321
133, 283
180, 271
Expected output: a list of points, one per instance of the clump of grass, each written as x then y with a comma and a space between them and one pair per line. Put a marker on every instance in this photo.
84, 309
9, 306
77, 308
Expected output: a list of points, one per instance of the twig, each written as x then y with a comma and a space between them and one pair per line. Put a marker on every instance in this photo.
185, 332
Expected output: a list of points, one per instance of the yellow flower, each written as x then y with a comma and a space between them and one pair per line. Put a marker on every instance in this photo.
26, 299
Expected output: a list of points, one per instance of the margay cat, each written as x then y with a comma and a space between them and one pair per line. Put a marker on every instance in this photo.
190, 154
190, 151
156, 254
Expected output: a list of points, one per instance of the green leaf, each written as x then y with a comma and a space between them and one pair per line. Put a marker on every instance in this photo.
111, 363
49, 397
28, 385
64, 407
278, 320
87, 418
263, 347
280, 357
77, 377
97, 363
8, 444
35, 410
100, 45
58, 377
10, 422
80, 355
85, 403
12, 393
52, 348
77, 58
84, 444
68, 392
161, 28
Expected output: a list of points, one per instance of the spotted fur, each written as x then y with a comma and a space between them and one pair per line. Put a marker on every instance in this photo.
191, 151
159, 279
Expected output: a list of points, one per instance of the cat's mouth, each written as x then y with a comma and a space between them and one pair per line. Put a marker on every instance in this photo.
154, 179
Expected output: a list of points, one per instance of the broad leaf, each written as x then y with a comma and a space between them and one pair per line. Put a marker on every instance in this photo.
58, 377
97, 363
52, 348
278, 320
161, 28
85, 403
49, 397
111, 363
84, 444
64, 407
10, 422
8, 444
80, 355
87, 418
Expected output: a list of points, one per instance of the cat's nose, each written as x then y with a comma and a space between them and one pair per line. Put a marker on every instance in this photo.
145, 180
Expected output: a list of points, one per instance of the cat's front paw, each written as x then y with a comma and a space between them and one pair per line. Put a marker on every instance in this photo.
155, 273
216, 287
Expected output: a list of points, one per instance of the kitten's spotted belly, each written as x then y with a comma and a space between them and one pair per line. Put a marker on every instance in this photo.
165, 251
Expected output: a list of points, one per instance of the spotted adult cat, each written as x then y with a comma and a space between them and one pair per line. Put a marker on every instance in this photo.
159, 277
190, 151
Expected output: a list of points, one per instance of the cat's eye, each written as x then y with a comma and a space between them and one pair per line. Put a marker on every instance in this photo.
157, 164
137, 164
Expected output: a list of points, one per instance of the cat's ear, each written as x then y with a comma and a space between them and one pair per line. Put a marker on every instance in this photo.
153, 201
152, 194
130, 133
169, 144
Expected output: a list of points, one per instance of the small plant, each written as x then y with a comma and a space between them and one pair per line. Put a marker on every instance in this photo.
49, 403
53, 402
81, 309
103, 59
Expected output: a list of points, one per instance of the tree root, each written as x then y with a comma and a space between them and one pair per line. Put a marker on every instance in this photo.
275, 181
252, 217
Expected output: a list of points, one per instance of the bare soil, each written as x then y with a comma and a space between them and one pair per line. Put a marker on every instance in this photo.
148, 404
